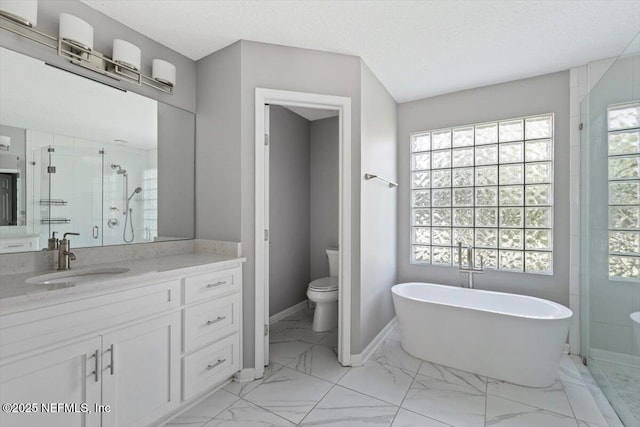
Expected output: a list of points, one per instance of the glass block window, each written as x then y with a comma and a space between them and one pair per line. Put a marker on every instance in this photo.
624, 191
150, 193
487, 185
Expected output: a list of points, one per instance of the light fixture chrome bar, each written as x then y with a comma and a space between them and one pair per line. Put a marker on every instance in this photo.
369, 176
30, 33
83, 57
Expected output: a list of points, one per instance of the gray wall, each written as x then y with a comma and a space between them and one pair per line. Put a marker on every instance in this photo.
176, 178
218, 149
379, 207
105, 30
542, 94
288, 209
280, 67
324, 192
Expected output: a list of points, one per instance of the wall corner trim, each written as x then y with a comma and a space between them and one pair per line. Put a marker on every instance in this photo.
245, 375
361, 358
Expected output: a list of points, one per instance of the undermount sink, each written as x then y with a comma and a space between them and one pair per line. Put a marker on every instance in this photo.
75, 276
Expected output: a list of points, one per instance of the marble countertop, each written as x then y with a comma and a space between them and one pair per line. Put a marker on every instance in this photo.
17, 295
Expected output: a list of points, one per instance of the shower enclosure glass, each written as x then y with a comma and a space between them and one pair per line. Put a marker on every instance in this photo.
92, 189
610, 233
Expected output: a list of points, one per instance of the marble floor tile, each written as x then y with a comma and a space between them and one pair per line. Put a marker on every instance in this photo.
390, 352
394, 335
240, 389
330, 339
411, 419
568, 371
289, 393
454, 376
550, 398
204, 411
384, 382
583, 404
586, 424
284, 352
506, 413
246, 414
446, 402
281, 325
342, 407
320, 361
302, 332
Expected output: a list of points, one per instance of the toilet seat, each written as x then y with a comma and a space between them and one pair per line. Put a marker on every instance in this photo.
324, 284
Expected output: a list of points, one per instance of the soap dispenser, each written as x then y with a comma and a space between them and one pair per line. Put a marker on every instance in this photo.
53, 242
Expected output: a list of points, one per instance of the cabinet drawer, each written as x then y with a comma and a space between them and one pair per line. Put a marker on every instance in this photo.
207, 322
198, 288
210, 366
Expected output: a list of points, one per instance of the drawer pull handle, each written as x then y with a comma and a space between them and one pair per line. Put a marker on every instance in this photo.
213, 285
218, 363
212, 322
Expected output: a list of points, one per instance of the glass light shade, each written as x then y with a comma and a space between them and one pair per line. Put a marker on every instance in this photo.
126, 53
5, 142
76, 31
164, 72
24, 12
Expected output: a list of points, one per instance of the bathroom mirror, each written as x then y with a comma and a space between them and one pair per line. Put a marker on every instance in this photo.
80, 156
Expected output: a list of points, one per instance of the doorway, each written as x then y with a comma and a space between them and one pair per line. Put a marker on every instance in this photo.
342, 105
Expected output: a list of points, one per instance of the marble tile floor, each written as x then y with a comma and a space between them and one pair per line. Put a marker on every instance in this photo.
622, 384
305, 386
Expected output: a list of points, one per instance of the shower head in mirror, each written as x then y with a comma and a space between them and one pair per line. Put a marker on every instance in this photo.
136, 191
120, 170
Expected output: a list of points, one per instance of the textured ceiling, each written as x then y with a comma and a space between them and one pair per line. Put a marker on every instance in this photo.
416, 48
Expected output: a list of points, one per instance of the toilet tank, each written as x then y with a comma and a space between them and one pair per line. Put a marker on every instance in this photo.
332, 254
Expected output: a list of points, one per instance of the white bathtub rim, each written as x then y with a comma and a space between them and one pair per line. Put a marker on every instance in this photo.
565, 312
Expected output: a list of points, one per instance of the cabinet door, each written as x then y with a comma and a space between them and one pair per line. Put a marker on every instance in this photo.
141, 372
54, 384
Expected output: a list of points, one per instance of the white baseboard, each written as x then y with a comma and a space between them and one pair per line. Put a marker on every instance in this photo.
361, 358
610, 356
287, 312
244, 376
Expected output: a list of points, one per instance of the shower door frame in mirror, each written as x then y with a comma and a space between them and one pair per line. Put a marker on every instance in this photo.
78, 171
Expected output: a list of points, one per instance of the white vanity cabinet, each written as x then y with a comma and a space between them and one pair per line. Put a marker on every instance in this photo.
144, 351
61, 375
141, 372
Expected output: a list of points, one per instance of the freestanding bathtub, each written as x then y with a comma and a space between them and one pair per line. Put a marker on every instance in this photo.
509, 337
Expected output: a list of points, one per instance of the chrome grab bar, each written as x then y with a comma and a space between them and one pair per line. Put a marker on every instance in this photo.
369, 176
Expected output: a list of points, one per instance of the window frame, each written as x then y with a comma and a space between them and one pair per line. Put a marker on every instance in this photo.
609, 229
523, 205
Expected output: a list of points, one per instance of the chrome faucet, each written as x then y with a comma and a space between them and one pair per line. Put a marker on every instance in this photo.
469, 269
65, 256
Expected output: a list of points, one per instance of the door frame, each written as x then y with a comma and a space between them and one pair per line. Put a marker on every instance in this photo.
342, 105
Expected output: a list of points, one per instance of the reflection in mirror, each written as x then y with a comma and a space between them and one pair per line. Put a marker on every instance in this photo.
80, 156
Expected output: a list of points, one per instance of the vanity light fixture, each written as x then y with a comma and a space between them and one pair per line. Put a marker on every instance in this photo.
75, 42
24, 12
5, 143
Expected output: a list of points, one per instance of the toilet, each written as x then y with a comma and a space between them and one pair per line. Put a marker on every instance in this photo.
324, 293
